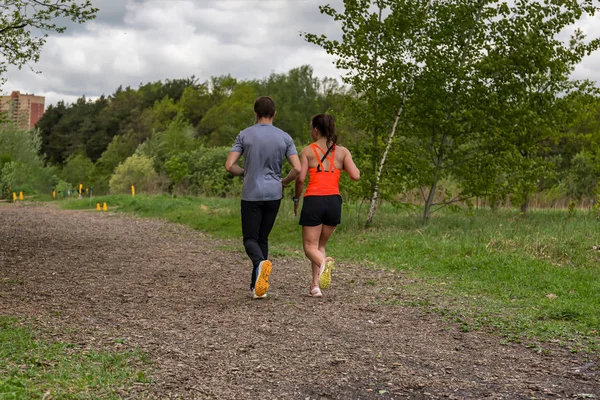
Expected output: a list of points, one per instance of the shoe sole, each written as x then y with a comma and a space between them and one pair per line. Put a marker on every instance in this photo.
262, 283
325, 277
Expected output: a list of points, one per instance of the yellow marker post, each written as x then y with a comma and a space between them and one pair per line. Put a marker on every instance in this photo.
97, 206
20, 195
14, 197
54, 194
132, 190
104, 207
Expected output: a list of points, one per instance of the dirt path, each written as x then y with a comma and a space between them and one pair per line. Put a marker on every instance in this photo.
170, 291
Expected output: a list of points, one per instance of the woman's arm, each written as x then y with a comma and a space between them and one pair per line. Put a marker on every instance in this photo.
302, 176
350, 167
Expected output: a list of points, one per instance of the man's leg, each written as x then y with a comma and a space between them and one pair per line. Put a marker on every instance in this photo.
252, 216
269, 214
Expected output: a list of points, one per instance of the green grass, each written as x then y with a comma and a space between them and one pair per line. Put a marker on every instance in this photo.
532, 277
32, 368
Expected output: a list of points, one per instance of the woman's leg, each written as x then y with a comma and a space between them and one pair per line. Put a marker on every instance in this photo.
310, 242
324, 275
326, 233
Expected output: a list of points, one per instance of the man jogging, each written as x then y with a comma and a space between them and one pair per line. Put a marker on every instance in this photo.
264, 148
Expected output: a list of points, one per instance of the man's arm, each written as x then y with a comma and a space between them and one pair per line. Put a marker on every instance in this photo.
294, 172
231, 164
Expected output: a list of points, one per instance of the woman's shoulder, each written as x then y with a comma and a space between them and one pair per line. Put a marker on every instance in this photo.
342, 149
306, 150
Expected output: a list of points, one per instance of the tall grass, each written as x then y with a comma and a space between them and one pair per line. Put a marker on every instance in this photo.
532, 276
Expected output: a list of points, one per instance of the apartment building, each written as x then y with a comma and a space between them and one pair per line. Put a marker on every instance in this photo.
24, 110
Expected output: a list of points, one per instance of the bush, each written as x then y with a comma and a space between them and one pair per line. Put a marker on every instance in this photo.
208, 175
136, 170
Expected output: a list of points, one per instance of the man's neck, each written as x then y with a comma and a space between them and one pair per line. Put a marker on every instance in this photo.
265, 121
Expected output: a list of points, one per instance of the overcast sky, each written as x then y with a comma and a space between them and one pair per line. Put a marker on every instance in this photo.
139, 41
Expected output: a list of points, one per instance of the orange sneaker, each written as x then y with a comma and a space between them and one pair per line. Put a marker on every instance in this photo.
262, 278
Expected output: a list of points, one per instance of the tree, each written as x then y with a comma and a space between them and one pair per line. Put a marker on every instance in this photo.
21, 167
21, 22
177, 170
296, 95
177, 138
527, 70
446, 79
224, 121
194, 103
78, 169
583, 177
163, 112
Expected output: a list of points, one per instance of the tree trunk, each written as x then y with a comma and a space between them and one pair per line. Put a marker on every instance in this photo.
429, 201
525, 206
381, 165
438, 166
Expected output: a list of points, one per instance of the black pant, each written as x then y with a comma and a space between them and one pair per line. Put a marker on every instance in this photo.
258, 218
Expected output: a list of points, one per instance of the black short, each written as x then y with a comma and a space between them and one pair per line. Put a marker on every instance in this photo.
325, 210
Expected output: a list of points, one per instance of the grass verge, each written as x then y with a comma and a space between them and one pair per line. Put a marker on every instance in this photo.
32, 368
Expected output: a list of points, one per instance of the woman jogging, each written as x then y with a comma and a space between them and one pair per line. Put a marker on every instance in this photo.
321, 212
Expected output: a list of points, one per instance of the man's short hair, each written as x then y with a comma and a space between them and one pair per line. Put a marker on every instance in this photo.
264, 107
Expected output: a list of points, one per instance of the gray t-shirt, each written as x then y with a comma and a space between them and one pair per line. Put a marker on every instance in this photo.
264, 148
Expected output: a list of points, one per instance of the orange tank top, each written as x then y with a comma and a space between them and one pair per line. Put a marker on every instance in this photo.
323, 182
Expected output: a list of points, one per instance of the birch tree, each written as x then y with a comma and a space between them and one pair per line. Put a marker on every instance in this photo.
451, 78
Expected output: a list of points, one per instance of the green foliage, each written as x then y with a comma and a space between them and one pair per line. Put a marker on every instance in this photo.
298, 98
119, 149
163, 112
583, 176
167, 120
138, 171
78, 169
177, 169
473, 84
208, 175
63, 186
21, 168
33, 368
195, 103
19, 145
177, 138
236, 112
